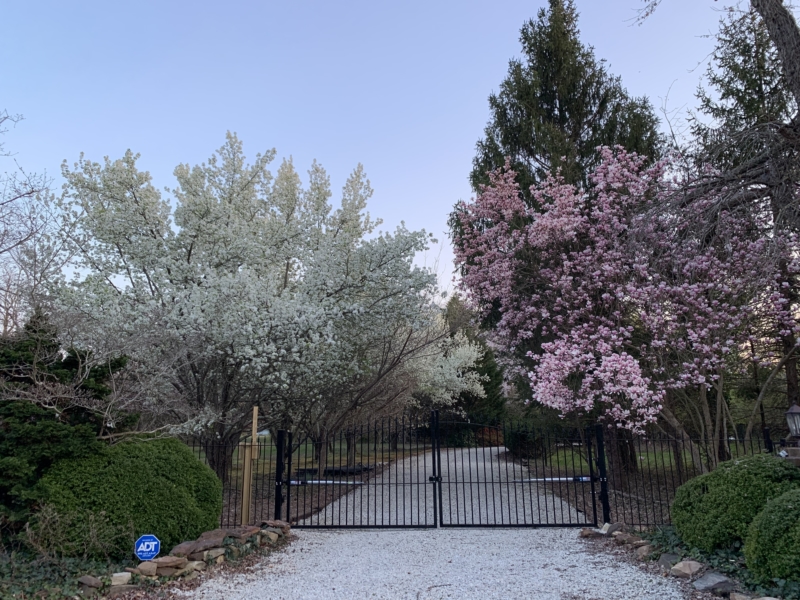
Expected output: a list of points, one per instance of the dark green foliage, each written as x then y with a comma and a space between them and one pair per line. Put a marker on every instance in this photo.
35, 356
555, 107
156, 486
772, 547
458, 435
491, 408
749, 88
524, 443
31, 440
729, 561
24, 575
714, 510
559, 101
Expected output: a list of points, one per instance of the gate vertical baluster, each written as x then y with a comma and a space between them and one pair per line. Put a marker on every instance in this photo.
372, 490
591, 474
360, 504
439, 474
349, 434
419, 489
395, 460
519, 471
279, 467
471, 499
341, 482
433, 477
405, 466
289, 480
575, 484
559, 485
485, 480
601, 471
386, 457
523, 437
492, 439
508, 483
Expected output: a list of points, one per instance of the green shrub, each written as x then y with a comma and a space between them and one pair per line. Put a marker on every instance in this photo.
31, 440
155, 486
714, 510
525, 444
56, 535
772, 546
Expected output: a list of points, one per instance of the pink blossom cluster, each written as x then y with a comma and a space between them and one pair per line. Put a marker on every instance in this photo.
613, 295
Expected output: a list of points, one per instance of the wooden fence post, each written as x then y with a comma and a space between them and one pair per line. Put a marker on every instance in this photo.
250, 454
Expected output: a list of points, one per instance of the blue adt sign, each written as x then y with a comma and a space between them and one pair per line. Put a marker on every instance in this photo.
147, 547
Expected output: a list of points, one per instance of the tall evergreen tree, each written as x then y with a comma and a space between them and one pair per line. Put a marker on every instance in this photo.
747, 89
750, 97
557, 105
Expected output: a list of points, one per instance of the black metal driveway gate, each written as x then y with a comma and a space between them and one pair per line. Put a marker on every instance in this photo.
428, 473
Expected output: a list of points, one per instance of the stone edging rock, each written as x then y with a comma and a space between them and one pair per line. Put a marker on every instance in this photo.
702, 579
187, 559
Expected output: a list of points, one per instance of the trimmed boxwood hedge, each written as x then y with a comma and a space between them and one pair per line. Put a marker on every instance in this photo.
155, 486
772, 547
714, 510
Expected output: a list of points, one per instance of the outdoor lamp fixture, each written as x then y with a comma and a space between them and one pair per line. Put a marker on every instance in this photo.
793, 419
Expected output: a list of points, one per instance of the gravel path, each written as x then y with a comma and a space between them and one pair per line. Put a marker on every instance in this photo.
426, 564
540, 564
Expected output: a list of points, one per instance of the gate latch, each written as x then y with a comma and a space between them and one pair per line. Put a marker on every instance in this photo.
434, 479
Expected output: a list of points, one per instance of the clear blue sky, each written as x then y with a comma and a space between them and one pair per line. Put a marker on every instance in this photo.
401, 87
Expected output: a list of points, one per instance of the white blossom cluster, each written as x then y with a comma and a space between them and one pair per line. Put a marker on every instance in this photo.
244, 288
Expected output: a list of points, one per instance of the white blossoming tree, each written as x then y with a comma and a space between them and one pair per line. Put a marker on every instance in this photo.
244, 289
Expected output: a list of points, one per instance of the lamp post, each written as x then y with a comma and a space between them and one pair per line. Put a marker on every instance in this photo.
793, 419
792, 450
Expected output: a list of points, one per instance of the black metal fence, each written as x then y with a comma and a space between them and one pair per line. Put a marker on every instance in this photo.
374, 475
645, 471
511, 475
412, 472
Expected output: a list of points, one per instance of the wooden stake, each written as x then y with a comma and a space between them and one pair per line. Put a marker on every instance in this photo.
250, 454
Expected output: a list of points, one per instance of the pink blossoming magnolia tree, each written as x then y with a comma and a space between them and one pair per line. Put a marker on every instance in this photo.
616, 300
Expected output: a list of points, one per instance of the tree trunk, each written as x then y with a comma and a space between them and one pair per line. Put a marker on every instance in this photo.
677, 458
321, 452
709, 440
622, 457
785, 35
757, 383
697, 461
764, 388
350, 438
788, 341
792, 387
721, 423
219, 456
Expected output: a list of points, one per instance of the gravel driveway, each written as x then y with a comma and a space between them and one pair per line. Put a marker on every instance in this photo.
425, 564
541, 564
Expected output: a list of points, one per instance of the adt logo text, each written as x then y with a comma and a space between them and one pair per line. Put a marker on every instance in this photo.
147, 547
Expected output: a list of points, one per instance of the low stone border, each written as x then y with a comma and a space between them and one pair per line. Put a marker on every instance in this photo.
186, 560
703, 580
